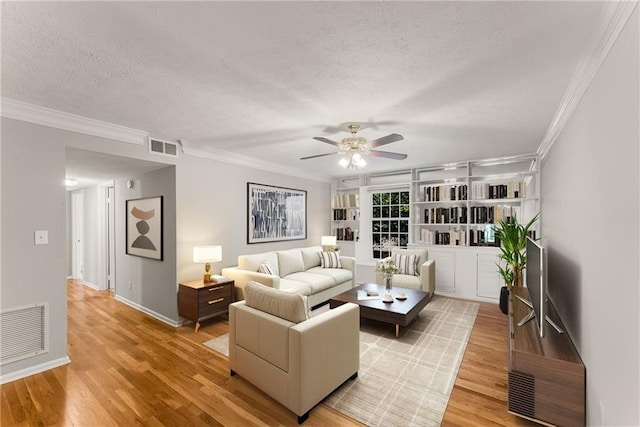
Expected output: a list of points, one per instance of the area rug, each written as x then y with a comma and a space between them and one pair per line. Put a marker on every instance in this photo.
403, 381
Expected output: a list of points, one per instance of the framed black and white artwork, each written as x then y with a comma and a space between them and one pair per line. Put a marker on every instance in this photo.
144, 227
275, 213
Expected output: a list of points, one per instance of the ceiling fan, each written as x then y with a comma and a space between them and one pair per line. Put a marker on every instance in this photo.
354, 148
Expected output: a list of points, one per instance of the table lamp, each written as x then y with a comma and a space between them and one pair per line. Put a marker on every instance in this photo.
328, 242
207, 255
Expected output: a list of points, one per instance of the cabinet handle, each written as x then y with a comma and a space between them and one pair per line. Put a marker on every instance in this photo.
215, 301
217, 288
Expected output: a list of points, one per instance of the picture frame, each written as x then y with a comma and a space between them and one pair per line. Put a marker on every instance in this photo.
275, 213
144, 227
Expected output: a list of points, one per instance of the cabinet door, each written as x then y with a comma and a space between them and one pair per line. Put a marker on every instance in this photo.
489, 278
445, 270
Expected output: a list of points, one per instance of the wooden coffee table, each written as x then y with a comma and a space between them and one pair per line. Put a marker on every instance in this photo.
398, 312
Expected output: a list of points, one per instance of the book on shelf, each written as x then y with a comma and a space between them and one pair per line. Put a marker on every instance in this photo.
346, 200
453, 237
508, 190
444, 193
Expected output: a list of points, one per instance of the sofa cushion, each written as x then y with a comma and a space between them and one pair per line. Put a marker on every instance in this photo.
407, 264
301, 287
339, 275
290, 261
317, 282
406, 281
287, 305
310, 256
252, 262
267, 268
330, 260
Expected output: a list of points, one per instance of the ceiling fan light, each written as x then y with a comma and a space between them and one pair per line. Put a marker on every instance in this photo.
344, 162
359, 161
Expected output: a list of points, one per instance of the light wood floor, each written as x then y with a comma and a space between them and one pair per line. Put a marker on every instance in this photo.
130, 369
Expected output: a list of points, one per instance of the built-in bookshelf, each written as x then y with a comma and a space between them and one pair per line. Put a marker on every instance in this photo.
345, 208
459, 204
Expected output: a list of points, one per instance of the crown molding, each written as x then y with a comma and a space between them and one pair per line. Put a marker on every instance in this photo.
19, 110
250, 162
613, 18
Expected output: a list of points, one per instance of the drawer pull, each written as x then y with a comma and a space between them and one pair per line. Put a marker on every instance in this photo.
217, 288
215, 301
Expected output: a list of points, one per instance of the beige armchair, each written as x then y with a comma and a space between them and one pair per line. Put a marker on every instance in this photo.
298, 364
425, 281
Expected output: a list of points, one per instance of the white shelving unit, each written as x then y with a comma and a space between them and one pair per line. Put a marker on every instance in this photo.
471, 197
345, 214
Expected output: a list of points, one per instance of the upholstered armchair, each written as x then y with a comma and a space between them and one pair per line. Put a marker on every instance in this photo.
295, 359
424, 278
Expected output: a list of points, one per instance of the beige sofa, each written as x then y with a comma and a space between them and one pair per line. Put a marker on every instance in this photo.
297, 269
424, 281
295, 359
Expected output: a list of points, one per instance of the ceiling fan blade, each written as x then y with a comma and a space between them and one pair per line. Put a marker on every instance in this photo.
387, 154
327, 140
394, 137
317, 155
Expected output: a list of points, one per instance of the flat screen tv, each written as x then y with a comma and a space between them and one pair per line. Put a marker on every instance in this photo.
536, 282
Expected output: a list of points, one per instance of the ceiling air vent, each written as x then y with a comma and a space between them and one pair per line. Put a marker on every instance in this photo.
166, 148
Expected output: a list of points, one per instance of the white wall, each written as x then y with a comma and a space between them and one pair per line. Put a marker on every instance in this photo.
153, 282
212, 209
590, 224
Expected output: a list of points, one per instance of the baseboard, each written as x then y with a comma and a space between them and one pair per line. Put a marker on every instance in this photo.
91, 285
145, 310
32, 370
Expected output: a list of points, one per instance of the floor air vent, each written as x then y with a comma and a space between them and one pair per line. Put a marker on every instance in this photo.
23, 332
166, 148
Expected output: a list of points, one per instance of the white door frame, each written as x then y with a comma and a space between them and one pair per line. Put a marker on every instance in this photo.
77, 234
110, 240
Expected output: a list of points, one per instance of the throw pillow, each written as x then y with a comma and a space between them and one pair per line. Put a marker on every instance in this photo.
330, 260
407, 264
267, 268
286, 305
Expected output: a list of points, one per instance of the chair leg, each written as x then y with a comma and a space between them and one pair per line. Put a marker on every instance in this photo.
354, 376
303, 418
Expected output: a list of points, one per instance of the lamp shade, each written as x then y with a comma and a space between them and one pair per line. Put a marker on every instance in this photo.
328, 240
205, 254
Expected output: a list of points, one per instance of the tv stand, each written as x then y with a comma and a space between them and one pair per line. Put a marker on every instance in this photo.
547, 379
532, 315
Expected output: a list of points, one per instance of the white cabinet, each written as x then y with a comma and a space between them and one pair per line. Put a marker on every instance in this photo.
466, 272
489, 279
445, 270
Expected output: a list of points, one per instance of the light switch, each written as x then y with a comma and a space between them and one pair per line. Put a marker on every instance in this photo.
41, 237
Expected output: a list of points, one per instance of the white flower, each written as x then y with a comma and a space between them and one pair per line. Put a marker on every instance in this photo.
387, 266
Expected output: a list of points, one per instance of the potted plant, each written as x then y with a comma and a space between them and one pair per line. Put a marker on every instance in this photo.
513, 243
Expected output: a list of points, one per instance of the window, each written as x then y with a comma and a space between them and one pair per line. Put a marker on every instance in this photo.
389, 222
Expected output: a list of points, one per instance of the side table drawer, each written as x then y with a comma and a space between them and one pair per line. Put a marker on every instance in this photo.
214, 299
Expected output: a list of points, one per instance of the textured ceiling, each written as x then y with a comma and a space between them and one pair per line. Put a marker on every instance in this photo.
459, 80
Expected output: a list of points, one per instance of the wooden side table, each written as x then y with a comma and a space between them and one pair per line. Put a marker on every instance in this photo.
199, 301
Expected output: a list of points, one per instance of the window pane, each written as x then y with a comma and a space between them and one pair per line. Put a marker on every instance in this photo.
384, 198
395, 198
395, 212
404, 211
404, 239
394, 227
404, 197
387, 229
404, 226
376, 198
384, 226
376, 212
375, 226
384, 213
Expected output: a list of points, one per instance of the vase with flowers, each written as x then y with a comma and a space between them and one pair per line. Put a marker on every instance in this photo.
388, 268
